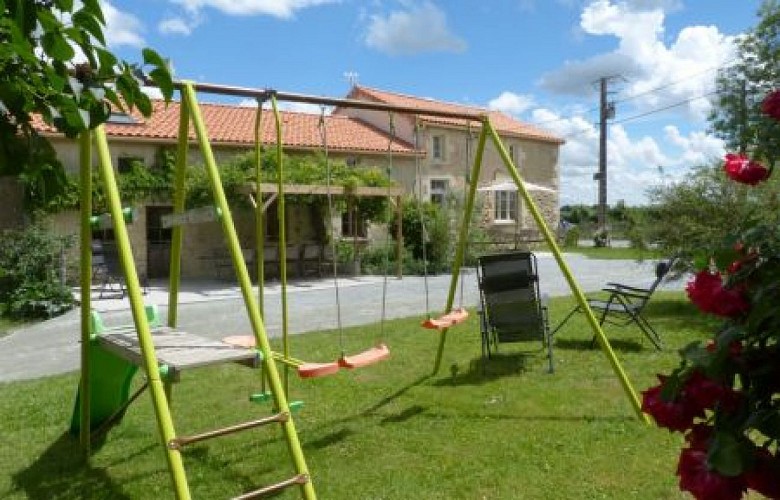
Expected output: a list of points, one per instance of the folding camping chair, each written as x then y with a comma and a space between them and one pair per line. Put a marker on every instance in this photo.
510, 306
625, 305
106, 269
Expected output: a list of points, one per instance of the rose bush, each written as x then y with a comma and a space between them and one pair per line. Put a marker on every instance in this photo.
725, 395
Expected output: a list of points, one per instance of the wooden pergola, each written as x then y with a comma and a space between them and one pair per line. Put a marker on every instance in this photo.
394, 194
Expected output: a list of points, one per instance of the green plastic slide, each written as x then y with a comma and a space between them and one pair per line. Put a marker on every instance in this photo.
110, 378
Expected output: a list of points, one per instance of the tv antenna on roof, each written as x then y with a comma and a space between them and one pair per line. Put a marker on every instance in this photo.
352, 77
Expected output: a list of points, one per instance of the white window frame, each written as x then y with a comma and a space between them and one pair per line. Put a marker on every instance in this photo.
438, 147
438, 191
505, 207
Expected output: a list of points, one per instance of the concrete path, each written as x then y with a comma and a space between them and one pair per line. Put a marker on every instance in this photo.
216, 310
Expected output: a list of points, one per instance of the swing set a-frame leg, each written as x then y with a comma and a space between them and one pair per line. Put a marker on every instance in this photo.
488, 130
250, 301
463, 238
156, 386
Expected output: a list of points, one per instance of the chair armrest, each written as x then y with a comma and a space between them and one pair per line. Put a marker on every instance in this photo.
619, 293
622, 287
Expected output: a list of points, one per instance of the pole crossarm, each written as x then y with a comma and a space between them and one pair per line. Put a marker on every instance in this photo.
265, 94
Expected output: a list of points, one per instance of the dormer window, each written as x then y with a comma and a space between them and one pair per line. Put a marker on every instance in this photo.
122, 118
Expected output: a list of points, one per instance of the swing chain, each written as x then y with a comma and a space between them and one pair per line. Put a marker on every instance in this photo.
324, 138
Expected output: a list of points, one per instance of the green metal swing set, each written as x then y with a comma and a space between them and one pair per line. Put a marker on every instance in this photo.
161, 366
304, 369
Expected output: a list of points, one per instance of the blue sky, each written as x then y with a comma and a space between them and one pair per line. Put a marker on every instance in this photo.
537, 60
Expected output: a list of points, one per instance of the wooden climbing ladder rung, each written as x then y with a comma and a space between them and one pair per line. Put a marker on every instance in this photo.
274, 488
180, 442
452, 318
365, 358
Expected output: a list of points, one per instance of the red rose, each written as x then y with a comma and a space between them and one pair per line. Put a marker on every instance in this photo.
707, 293
763, 478
702, 482
771, 104
734, 267
735, 348
705, 393
699, 437
676, 415
741, 169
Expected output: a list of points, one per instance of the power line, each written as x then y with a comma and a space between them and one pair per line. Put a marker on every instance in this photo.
642, 115
670, 106
641, 94
675, 82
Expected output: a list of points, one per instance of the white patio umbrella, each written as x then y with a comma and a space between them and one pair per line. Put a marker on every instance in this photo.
509, 185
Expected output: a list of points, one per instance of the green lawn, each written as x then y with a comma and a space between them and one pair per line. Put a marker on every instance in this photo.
391, 431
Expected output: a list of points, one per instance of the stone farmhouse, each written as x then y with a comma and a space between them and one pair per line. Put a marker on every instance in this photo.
432, 161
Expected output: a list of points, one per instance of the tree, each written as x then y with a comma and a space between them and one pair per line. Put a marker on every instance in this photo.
689, 217
54, 64
736, 117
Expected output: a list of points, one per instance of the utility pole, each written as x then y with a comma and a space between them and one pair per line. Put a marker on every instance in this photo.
607, 112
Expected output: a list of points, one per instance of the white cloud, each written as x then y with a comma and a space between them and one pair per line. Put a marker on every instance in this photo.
283, 9
511, 103
698, 148
579, 78
663, 74
419, 29
175, 26
632, 162
296, 107
152, 92
121, 28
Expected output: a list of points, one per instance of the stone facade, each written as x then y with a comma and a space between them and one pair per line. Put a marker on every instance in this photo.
435, 164
449, 158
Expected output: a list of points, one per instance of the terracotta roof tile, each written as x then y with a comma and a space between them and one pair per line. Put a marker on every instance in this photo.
234, 125
502, 123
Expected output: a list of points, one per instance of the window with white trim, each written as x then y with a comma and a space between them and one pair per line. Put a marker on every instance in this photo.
505, 209
438, 191
437, 147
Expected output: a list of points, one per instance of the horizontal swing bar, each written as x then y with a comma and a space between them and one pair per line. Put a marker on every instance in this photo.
452, 318
265, 94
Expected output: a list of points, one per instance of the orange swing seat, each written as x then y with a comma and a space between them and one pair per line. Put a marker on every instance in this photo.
313, 370
452, 318
305, 370
365, 358
245, 341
